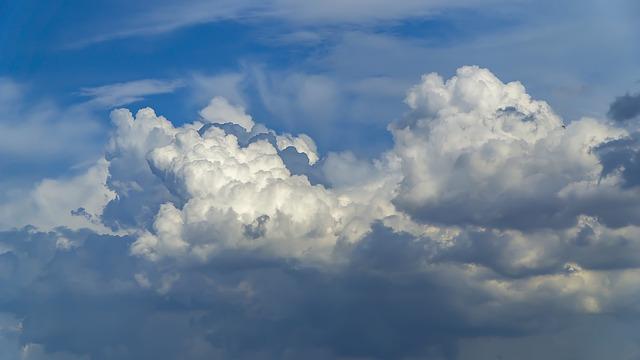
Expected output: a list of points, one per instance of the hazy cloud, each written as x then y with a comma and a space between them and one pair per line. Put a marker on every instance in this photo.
124, 93
40, 138
168, 16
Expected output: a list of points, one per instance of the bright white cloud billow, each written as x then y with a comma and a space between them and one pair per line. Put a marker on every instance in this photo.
488, 217
243, 194
478, 151
219, 111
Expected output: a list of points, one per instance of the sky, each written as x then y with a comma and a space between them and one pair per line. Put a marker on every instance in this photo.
353, 179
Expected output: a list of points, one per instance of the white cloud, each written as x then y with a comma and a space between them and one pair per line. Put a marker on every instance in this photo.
37, 352
75, 202
173, 185
226, 85
219, 111
225, 187
124, 93
167, 16
472, 151
24, 122
302, 143
478, 151
39, 138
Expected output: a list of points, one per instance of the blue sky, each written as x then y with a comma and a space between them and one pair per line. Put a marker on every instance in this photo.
336, 179
56, 50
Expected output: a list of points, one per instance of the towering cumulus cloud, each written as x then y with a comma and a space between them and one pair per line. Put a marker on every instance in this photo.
477, 151
235, 197
490, 227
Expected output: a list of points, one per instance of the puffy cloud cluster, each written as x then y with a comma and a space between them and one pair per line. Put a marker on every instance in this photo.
488, 226
477, 151
238, 197
224, 185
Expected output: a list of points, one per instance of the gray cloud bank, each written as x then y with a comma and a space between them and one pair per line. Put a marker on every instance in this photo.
489, 229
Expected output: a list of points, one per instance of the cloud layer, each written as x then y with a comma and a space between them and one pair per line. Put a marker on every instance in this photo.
489, 225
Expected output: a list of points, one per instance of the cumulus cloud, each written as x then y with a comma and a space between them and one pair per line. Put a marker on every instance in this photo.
488, 226
478, 151
302, 143
219, 111
224, 188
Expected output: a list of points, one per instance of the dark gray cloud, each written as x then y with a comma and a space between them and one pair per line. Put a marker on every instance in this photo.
385, 303
498, 251
625, 107
85, 301
622, 155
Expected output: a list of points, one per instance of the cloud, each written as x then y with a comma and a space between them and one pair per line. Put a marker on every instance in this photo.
302, 143
332, 110
139, 192
25, 121
75, 202
478, 151
224, 187
357, 11
226, 85
88, 301
40, 138
311, 102
298, 95
219, 111
625, 107
487, 227
621, 157
167, 16
124, 93
542, 42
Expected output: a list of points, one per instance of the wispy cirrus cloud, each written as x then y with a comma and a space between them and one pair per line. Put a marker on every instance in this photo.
118, 94
39, 137
167, 16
